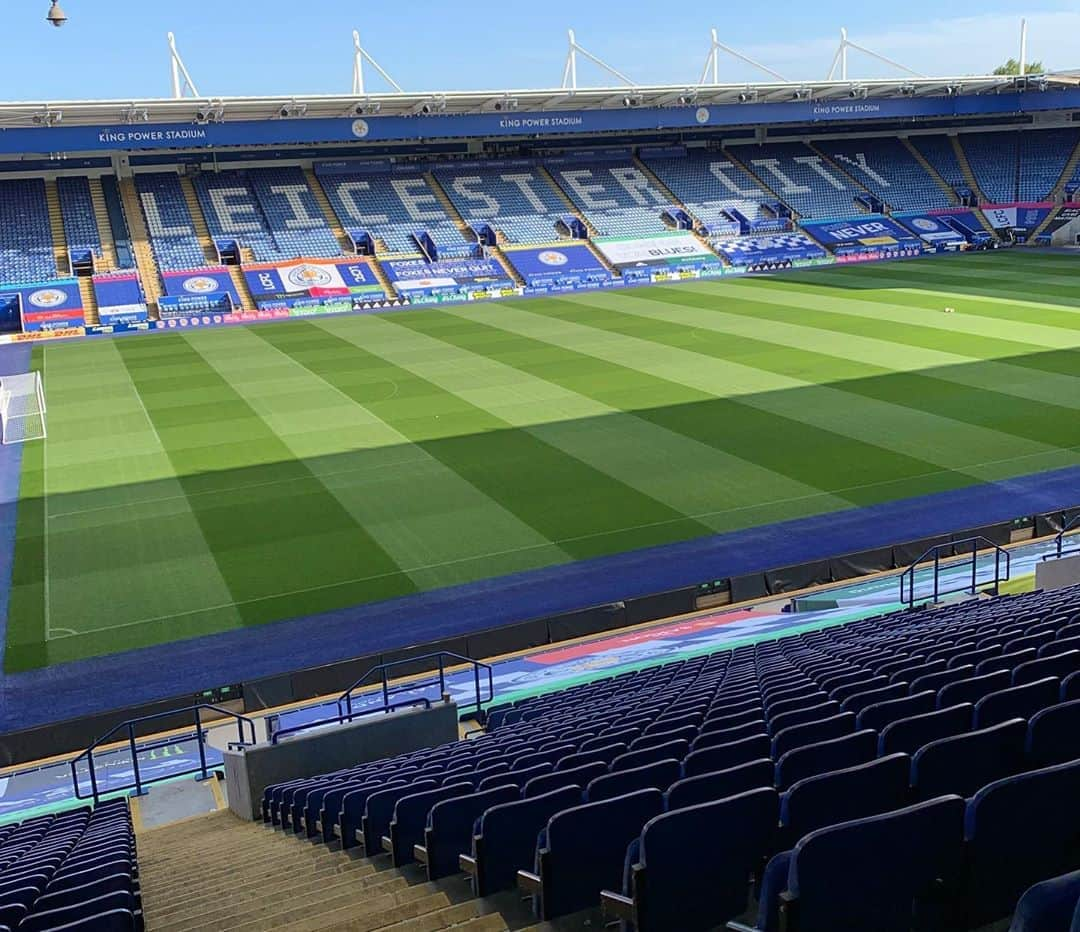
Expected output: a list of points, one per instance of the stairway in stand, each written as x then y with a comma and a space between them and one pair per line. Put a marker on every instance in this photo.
140, 244
89, 300
928, 168
198, 221
247, 302
216, 872
56, 227
105, 231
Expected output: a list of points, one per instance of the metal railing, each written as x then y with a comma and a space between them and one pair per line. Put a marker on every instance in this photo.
345, 701
133, 747
347, 717
907, 578
1059, 540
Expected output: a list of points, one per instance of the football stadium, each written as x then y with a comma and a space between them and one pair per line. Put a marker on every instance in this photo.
653, 506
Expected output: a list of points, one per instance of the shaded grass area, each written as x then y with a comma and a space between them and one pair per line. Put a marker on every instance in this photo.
197, 482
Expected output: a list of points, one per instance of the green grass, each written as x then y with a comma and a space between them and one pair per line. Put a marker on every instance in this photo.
200, 481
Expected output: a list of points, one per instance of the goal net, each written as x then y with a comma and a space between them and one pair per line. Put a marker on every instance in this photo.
22, 407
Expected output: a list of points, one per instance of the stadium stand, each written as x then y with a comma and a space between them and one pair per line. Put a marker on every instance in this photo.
614, 195
802, 178
169, 222
994, 160
1044, 155
26, 243
76, 870
80, 225
714, 189
887, 167
393, 209
939, 153
514, 199
828, 749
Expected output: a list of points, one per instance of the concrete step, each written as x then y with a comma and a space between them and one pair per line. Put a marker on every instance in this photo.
491, 923
450, 917
373, 917
270, 898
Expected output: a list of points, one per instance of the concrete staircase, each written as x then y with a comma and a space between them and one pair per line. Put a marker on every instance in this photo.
56, 227
240, 283
929, 169
1067, 173
448, 205
140, 244
499, 256
216, 872
101, 214
1042, 226
842, 170
965, 168
198, 221
328, 212
571, 208
89, 300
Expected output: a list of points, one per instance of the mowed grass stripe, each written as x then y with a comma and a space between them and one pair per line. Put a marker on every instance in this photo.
25, 646
863, 339
709, 485
585, 511
285, 549
779, 380
437, 527
100, 506
856, 472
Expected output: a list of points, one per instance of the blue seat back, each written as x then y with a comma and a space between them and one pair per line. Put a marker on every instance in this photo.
726, 756
973, 688
859, 701
505, 840
1054, 734
579, 776
378, 811
410, 818
880, 714
696, 863
1020, 830
450, 824
798, 736
803, 714
909, 734
719, 784
874, 873
857, 748
604, 755
934, 681
963, 764
676, 750
585, 850
1059, 665
1017, 702
651, 776
1048, 906
842, 795
710, 739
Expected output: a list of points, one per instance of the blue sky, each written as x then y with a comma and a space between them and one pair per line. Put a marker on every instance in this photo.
116, 48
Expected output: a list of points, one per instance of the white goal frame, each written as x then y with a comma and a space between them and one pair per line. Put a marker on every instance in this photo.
22, 407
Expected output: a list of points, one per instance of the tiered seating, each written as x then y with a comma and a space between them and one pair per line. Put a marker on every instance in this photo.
887, 168
77, 209
394, 209
802, 179
615, 197
293, 215
516, 201
1043, 157
841, 753
993, 160
938, 151
711, 186
232, 212
169, 223
76, 870
26, 246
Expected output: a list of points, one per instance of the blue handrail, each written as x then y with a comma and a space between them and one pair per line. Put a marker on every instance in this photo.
345, 700
348, 717
907, 578
139, 783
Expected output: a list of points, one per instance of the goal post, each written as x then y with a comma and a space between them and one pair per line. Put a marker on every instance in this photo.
22, 407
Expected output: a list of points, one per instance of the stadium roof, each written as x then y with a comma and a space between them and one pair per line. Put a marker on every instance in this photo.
223, 109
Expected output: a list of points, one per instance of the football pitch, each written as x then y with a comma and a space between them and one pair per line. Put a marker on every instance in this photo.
211, 479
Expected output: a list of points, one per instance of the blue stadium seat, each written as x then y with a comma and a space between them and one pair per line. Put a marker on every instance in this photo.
836, 754
26, 243
874, 873
802, 178
1017, 701
378, 810
726, 756
909, 734
710, 739
964, 763
504, 838
887, 168
409, 821
582, 850
1054, 734
652, 776
719, 784
1020, 830
578, 776
1059, 665
696, 864
974, 688
676, 750
1048, 906
798, 736
516, 200
881, 714
449, 829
